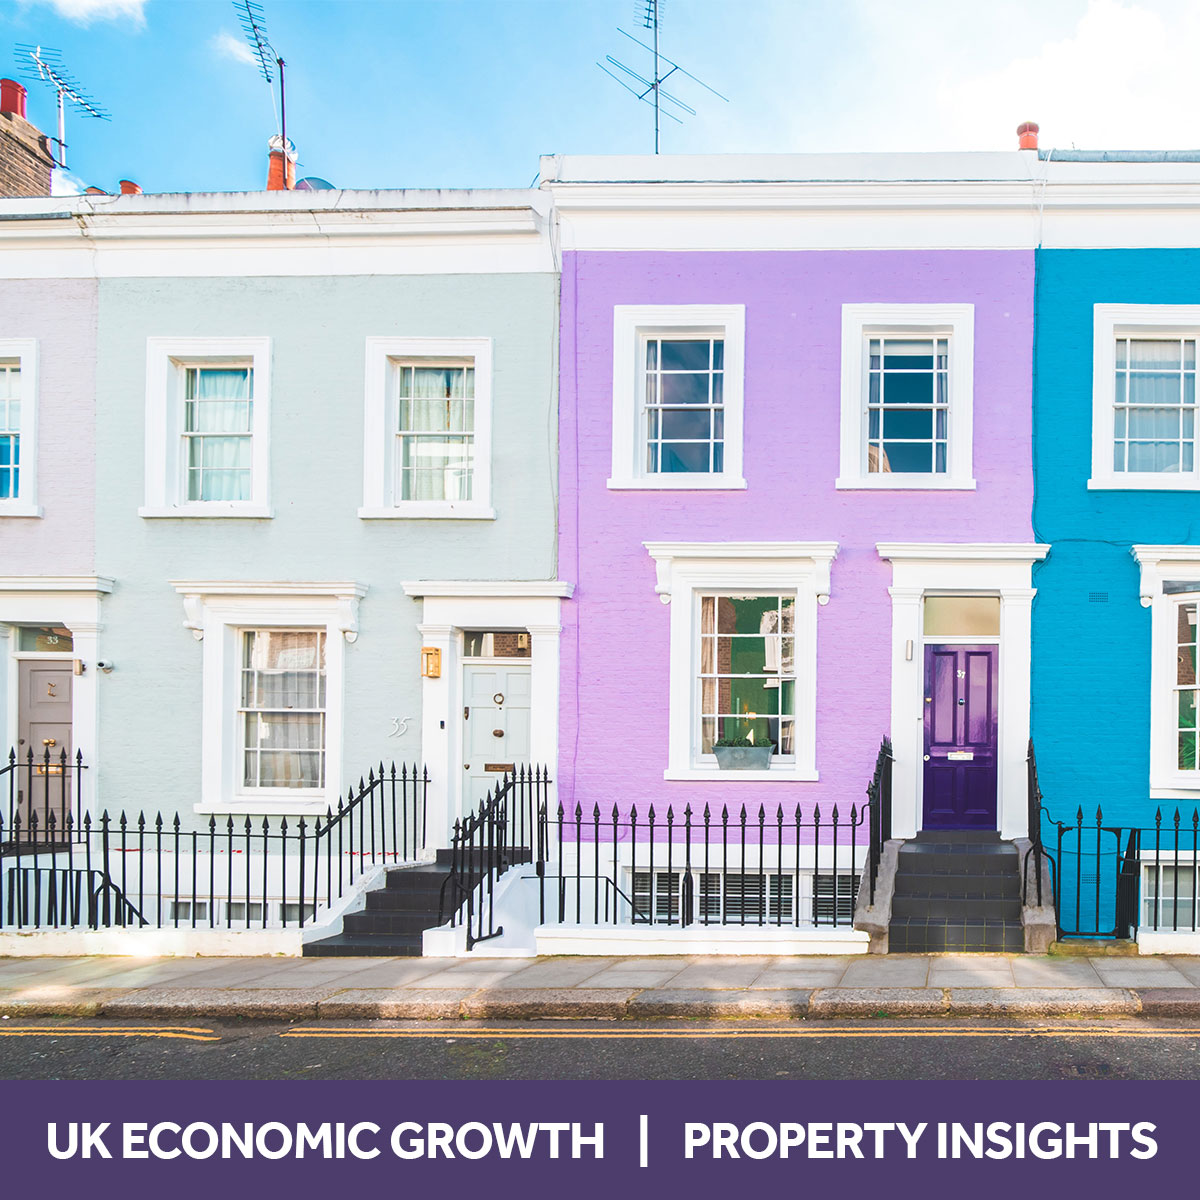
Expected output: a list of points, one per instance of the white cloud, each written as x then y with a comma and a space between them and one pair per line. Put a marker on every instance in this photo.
229, 46
1123, 79
84, 12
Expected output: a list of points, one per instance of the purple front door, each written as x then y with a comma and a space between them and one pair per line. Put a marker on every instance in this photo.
960, 737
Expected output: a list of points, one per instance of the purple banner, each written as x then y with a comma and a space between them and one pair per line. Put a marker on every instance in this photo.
581, 1139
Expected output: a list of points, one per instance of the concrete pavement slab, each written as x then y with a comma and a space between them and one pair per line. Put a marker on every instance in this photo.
1138, 972
393, 972
877, 1002
806, 976
878, 971
620, 977
1054, 972
453, 977
412, 1004
534, 1003
1188, 967
945, 973
706, 1002
554, 973
721, 973
984, 1002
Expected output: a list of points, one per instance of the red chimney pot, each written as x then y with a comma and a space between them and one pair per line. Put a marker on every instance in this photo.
1027, 133
129, 188
12, 97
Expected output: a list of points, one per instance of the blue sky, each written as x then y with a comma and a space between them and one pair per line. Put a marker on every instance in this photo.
458, 93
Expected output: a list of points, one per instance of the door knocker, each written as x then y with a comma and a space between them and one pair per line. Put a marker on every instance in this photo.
50, 688
498, 699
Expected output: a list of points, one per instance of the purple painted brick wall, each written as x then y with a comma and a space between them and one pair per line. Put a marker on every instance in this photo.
615, 640
61, 315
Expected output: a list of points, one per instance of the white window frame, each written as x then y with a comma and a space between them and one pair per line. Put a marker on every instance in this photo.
686, 570
1159, 564
167, 360
219, 612
863, 321
383, 355
632, 323
1111, 321
25, 352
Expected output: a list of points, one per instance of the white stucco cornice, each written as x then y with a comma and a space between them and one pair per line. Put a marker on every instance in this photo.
1026, 552
266, 596
83, 584
272, 233
715, 559
525, 588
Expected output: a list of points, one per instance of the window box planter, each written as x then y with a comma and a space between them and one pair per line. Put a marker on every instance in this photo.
744, 758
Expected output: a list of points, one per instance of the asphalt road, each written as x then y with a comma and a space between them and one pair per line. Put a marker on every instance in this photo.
931, 1049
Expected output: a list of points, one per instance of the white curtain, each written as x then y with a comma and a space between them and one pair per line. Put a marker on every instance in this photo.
219, 402
1161, 399
437, 422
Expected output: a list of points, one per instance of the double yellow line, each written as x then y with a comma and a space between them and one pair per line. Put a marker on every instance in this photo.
454, 1033
184, 1033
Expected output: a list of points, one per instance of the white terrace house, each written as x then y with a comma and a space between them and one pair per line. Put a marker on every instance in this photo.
284, 517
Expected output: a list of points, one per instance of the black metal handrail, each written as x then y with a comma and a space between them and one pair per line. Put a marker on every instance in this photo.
879, 804
151, 871
1037, 850
484, 844
711, 868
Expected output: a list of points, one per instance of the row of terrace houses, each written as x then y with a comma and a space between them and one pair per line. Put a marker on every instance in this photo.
556, 570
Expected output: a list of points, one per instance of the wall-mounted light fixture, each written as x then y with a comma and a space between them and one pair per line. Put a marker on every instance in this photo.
431, 662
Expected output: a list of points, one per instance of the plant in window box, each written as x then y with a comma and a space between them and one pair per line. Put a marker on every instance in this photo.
743, 754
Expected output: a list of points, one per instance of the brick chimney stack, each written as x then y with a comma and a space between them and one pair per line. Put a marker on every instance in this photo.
279, 177
26, 159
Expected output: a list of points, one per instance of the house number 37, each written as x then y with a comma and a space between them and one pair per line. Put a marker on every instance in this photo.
961, 674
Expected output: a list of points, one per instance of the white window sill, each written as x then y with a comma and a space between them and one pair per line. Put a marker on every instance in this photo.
19, 508
1174, 789
431, 510
212, 509
888, 482
1146, 483
679, 483
283, 806
781, 774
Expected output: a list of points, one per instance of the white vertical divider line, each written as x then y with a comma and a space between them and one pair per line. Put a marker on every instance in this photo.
644, 1141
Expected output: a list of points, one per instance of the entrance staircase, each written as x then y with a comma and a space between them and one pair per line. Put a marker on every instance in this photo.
958, 891
398, 913
395, 917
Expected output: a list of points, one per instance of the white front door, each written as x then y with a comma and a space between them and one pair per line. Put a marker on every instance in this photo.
495, 726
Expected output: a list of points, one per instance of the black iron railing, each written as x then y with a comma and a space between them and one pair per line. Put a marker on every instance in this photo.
48, 785
62, 870
879, 806
1113, 880
484, 844
790, 866
1037, 853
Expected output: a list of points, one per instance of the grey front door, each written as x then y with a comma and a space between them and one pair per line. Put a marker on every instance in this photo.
961, 737
43, 723
496, 726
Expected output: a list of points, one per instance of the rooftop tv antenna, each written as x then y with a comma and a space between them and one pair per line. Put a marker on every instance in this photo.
45, 64
254, 26
650, 15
